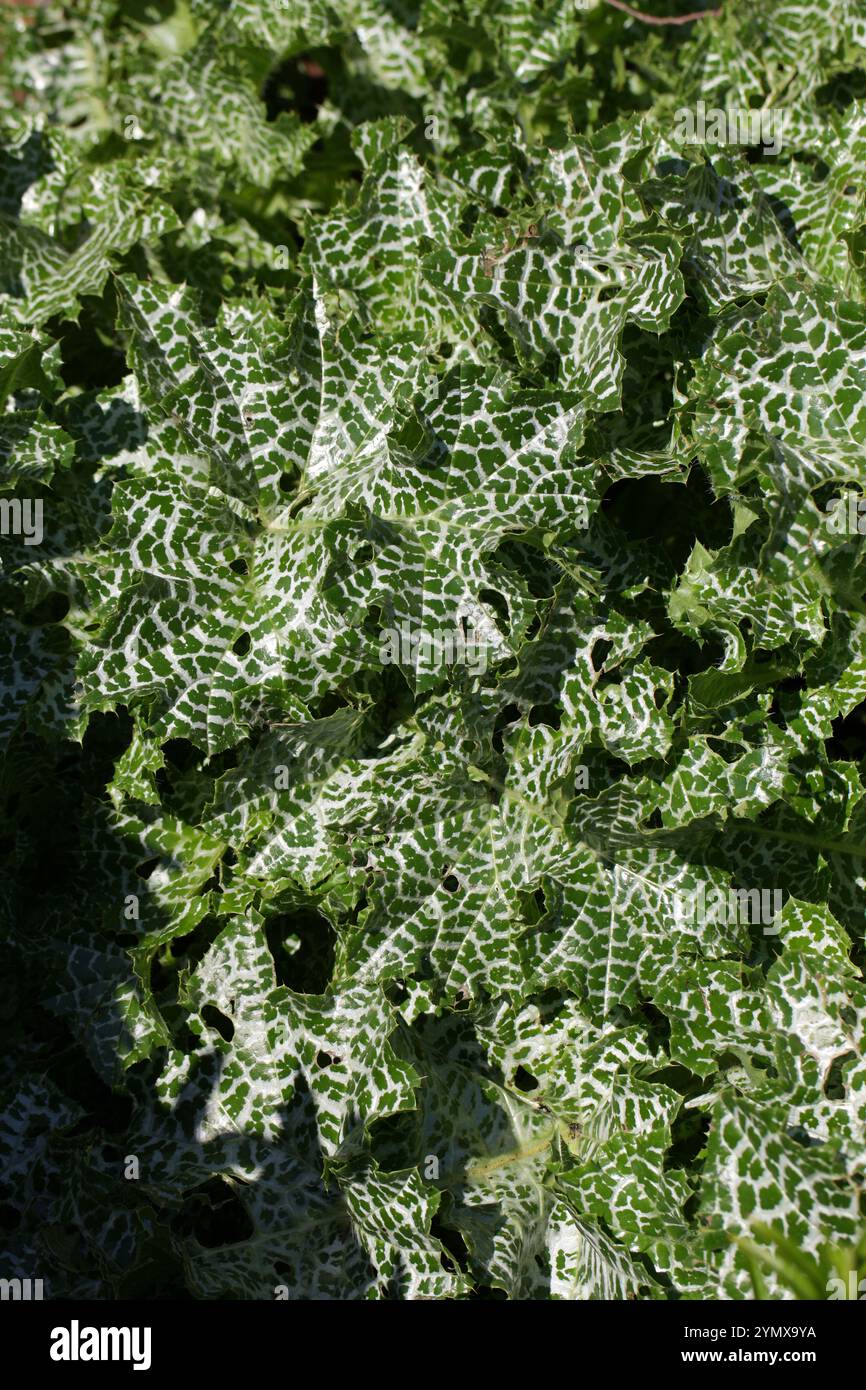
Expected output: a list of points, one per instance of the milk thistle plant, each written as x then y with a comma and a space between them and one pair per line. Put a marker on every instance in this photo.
444, 459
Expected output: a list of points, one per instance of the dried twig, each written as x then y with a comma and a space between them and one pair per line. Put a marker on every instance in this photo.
657, 19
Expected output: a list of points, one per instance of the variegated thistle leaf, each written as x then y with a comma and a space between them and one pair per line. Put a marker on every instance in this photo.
432, 743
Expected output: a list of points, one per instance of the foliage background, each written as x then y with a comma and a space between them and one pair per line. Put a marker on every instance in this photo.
322, 318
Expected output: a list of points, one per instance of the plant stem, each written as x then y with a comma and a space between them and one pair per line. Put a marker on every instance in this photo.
663, 19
